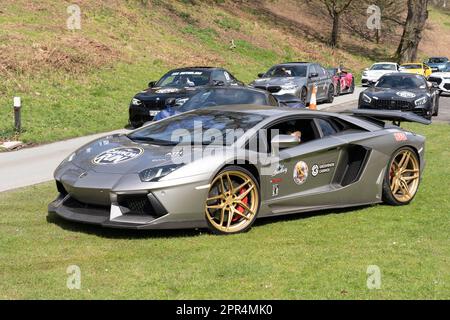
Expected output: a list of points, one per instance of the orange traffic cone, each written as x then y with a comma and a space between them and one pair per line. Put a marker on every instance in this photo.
313, 101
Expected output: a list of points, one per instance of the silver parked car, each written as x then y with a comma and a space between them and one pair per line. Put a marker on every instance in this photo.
298, 79
279, 161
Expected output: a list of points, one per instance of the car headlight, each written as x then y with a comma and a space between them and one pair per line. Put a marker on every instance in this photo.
154, 174
366, 98
136, 102
289, 86
421, 101
365, 74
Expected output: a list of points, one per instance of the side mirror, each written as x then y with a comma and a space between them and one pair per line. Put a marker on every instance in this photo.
366, 69
218, 83
260, 75
313, 75
151, 84
170, 102
284, 141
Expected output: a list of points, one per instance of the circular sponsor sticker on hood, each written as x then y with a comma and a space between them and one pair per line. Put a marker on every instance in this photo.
406, 94
118, 155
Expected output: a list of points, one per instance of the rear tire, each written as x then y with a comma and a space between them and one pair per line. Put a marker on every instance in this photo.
402, 177
330, 97
233, 201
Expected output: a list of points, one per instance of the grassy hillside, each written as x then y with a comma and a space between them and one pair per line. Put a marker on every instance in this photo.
77, 82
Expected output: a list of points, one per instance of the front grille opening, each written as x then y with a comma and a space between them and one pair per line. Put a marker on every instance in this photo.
61, 189
141, 205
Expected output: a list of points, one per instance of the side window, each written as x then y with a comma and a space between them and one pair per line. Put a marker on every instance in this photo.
327, 128
219, 75
273, 101
323, 72
304, 129
312, 69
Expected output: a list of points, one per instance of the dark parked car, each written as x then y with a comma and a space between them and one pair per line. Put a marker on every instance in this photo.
220, 96
298, 79
402, 91
180, 84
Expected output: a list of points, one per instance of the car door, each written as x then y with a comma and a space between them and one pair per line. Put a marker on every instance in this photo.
302, 170
314, 79
325, 80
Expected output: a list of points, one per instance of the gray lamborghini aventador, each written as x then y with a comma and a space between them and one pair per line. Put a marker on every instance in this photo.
223, 167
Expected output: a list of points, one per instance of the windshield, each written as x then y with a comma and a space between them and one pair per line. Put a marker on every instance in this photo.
224, 97
412, 66
332, 71
286, 71
202, 127
384, 67
402, 82
184, 79
437, 60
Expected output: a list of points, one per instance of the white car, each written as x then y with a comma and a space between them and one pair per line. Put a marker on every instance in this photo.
442, 80
376, 71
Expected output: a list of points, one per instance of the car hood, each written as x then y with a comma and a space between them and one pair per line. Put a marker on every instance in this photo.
441, 74
378, 73
165, 92
119, 155
382, 93
276, 81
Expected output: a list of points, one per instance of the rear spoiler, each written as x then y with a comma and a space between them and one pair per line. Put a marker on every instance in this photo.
396, 116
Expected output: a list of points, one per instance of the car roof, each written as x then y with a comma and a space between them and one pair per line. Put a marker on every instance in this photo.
385, 63
196, 68
273, 113
401, 74
411, 63
241, 88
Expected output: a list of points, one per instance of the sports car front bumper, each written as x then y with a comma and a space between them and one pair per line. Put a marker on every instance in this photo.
177, 205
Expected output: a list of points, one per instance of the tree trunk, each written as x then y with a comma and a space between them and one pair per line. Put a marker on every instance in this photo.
412, 32
335, 31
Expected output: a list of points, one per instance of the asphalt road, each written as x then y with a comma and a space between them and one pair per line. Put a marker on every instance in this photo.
35, 165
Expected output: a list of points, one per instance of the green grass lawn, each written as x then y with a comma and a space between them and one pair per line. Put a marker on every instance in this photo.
323, 256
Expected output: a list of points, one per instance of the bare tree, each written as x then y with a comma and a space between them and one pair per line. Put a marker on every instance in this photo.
412, 31
335, 9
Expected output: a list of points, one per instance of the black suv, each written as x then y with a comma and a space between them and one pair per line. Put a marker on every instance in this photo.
180, 84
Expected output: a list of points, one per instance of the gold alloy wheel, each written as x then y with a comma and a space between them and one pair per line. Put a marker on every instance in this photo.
404, 175
232, 202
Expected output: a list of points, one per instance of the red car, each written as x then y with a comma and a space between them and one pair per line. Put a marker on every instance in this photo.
343, 81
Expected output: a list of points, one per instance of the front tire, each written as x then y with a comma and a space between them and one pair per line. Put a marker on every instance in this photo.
402, 177
338, 89
304, 96
233, 201
352, 87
